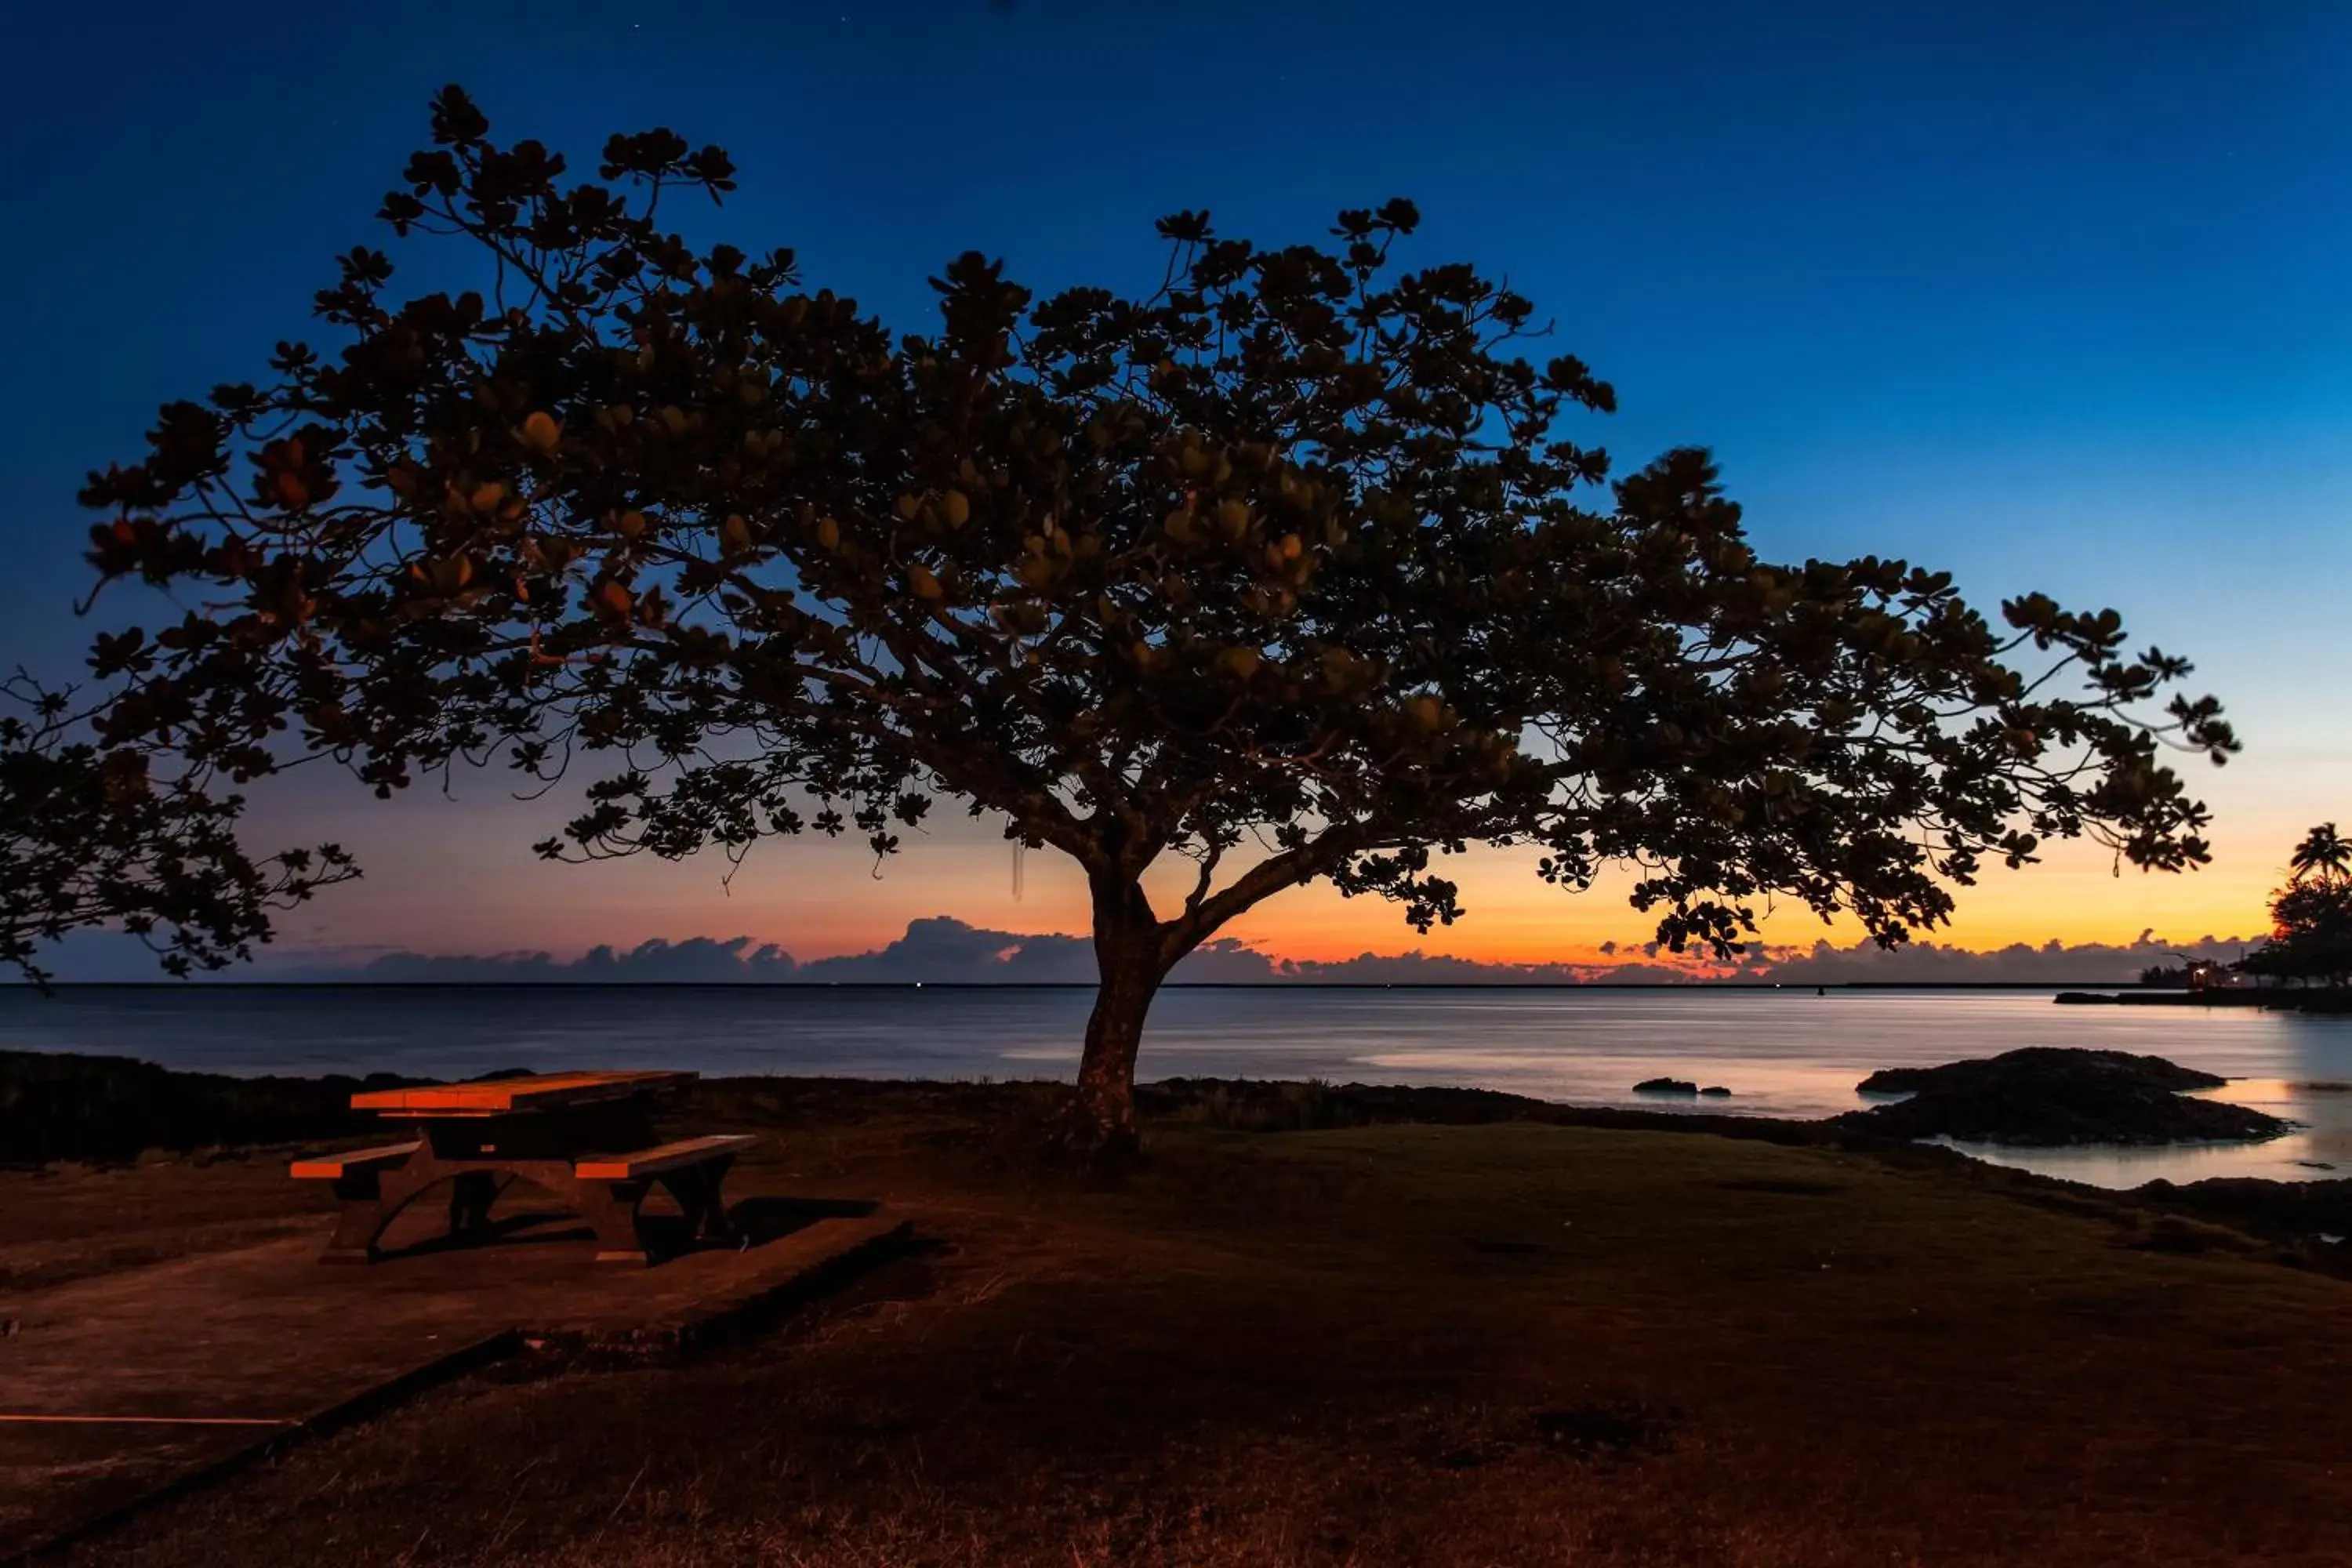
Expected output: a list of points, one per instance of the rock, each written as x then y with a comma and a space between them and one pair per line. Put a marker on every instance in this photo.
1716, 1091
1665, 1086
2042, 1065
2049, 1097
2177, 1233
2290, 1212
59, 1106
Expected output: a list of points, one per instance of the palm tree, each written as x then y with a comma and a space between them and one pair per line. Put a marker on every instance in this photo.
2324, 856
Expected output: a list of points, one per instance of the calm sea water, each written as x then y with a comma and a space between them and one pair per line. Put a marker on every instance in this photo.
1781, 1053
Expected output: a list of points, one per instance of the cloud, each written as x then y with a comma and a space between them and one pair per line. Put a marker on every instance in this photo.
942, 950
2052, 963
1419, 968
937, 951
697, 960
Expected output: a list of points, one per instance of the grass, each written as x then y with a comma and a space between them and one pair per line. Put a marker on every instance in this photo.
1374, 1344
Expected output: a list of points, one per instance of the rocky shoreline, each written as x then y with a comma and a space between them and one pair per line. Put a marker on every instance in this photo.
2271, 999
94, 1109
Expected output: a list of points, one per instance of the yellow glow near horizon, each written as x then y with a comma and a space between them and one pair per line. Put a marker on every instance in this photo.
818, 900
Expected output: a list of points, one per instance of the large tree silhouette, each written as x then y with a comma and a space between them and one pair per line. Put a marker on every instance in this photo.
1290, 568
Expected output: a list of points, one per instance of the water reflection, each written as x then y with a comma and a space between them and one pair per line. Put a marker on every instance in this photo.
2319, 1149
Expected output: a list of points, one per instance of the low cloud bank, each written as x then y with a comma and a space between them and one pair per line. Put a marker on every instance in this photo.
2052, 963
942, 950
939, 950
697, 959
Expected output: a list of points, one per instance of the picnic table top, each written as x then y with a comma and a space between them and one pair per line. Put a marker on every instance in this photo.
499, 1096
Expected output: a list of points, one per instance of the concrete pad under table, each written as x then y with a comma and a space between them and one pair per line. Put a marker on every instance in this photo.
233, 1351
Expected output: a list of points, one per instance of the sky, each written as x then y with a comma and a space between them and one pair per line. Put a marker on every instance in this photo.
2050, 295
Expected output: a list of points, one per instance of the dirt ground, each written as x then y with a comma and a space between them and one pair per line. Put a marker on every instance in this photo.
1413, 1344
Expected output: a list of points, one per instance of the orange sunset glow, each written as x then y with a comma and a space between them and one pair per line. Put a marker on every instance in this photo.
816, 898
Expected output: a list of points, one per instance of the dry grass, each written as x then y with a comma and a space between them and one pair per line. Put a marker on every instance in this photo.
69, 1222
1445, 1345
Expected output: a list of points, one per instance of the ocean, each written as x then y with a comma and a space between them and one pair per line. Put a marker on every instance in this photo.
1781, 1052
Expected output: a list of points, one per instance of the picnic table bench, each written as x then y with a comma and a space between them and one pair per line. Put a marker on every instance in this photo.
586, 1138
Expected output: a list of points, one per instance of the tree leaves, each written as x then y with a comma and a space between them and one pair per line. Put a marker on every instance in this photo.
2311, 917
102, 835
1291, 567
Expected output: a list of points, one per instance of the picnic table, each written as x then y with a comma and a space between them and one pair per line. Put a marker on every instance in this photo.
586, 1138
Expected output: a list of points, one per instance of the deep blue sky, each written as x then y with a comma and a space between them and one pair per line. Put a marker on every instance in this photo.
2052, 294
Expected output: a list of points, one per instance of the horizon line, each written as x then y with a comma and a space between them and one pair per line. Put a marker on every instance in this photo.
1294, 984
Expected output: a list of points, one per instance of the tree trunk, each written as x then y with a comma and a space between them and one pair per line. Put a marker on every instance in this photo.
1098, 1127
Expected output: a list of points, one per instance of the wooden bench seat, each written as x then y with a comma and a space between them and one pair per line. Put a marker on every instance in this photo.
373, 1185
692, 1170
359, 1161
659, 1161
359, 1177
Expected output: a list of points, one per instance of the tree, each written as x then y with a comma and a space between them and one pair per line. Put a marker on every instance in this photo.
93, 837
2311, 917
1282, 570
2323, 857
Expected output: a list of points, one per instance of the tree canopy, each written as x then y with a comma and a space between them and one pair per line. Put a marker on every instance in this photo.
2311, 917
93, 836
2323, 855
1293, 566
